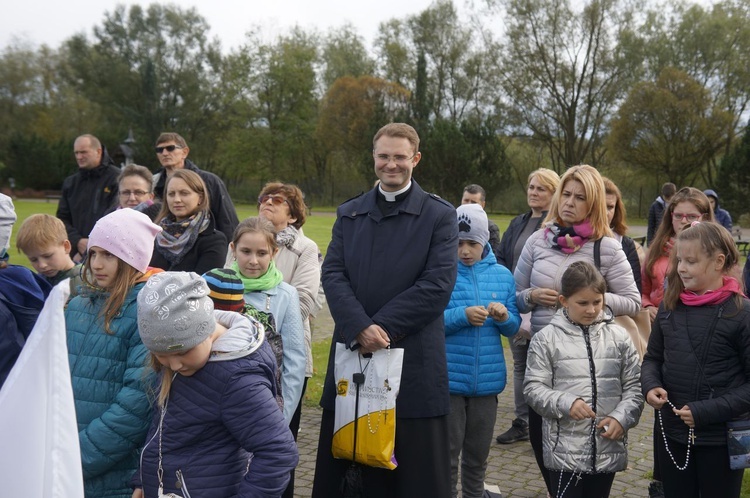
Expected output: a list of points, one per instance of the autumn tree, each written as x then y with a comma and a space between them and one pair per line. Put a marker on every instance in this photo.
733, 180
712, 45
563, 71
153, 70
352, 110
669, 127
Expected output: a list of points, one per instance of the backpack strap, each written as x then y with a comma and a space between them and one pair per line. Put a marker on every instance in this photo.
598, 254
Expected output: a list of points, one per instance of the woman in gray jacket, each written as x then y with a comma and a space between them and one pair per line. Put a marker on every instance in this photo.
583, 377
576, 229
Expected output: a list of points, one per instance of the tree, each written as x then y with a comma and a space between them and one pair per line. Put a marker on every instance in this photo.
345, 54
443, 61
669, 126
153, 70
733, 180
274, 105
457, 154
712, 45
351, 112
39, 116
564, 72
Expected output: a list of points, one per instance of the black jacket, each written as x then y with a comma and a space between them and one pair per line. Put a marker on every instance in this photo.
505, 253
701, 356
222, 208
631, 252
655, 214
397, 271
208, 252
87, 196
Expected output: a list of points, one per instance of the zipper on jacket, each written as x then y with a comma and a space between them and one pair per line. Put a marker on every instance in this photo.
592, 372
704, 356
478, 338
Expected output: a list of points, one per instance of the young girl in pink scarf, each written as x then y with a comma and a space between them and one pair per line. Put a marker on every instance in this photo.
696, 372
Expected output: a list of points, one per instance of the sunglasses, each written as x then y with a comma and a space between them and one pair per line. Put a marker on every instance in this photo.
275, 199
168, 148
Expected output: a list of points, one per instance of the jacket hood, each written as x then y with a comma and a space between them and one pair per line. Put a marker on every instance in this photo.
244, 336
712, 193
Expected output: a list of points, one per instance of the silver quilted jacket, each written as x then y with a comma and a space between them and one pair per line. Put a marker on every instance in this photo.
558, 372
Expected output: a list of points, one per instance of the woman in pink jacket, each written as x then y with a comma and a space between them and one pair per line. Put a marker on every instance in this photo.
687, 205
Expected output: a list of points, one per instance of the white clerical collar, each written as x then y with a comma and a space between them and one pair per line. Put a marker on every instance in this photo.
391, 196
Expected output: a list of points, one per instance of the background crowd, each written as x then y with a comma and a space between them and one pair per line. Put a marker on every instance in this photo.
564, 283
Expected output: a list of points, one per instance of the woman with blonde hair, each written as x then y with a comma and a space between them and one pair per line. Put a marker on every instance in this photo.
541, 186
576, 222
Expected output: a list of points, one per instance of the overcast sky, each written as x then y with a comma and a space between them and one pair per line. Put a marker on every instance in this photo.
52, 21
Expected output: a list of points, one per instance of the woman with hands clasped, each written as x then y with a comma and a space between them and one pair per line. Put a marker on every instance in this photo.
583, 378
697, 367
576, 220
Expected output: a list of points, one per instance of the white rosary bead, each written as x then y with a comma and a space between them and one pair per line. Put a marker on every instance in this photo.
691, 437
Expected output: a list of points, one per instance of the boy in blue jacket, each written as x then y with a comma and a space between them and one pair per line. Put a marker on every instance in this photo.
481, 309
22, 296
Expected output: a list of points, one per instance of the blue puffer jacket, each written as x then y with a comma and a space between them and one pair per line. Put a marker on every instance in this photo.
109, 384
476, 365
216, 418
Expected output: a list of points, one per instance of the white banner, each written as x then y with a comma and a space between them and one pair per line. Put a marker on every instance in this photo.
39, 452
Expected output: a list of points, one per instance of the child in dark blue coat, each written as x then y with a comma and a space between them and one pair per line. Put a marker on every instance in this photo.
22, 296
217, 430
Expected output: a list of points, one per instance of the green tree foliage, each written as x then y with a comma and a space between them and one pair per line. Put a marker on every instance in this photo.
274, 110
39, 116
734, 178
564, 71
712, 45
351, 112
457, 154
153, 70
345, 54
669, 127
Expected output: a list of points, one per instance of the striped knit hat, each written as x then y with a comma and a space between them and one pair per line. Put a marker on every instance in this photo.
226, 289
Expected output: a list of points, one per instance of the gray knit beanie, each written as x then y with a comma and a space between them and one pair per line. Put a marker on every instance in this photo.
175, 313
472, 223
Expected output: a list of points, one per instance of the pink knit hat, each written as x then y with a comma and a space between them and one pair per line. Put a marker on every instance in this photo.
128, 234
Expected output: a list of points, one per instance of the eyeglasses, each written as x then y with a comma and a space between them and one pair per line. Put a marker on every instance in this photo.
275, 199
127, 193
399, 159
690, 217
168, 148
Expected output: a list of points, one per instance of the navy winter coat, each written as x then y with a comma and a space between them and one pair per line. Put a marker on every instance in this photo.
213, 421
396, 271
22, 295
476, 364
510, 237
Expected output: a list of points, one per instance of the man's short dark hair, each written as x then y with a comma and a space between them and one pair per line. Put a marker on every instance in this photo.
170, 136
668, 190
476, 189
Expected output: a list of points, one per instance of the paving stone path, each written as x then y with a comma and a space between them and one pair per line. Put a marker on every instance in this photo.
511, 467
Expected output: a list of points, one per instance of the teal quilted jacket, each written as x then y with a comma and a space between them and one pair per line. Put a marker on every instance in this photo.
109, 385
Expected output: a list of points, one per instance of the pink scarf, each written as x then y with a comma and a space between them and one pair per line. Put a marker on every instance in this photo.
731, 287
568, 239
